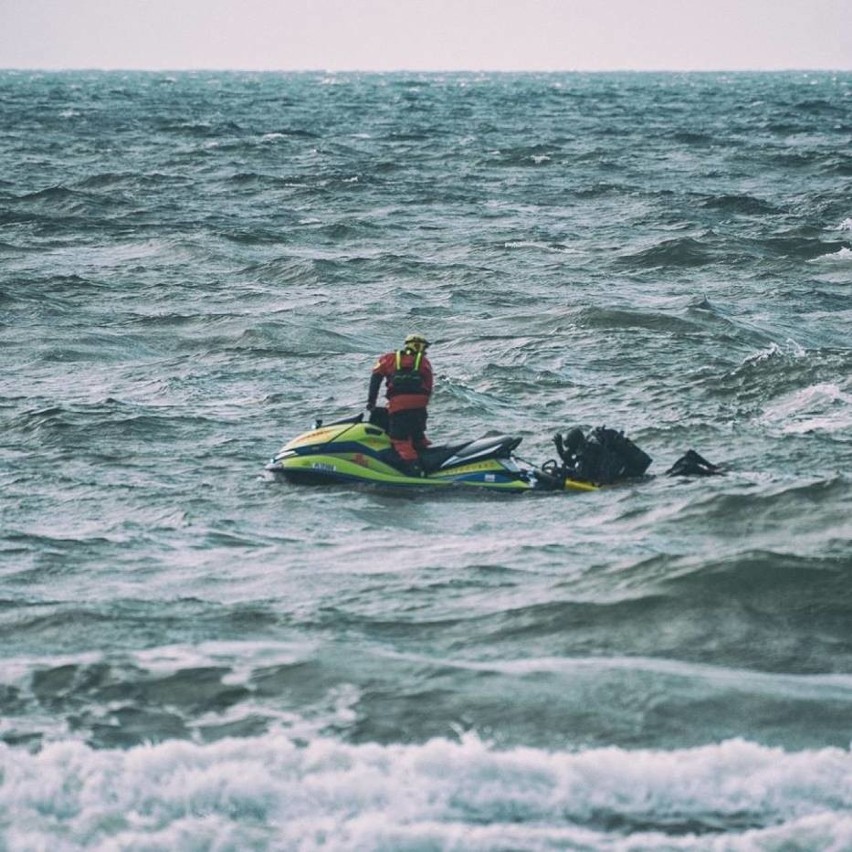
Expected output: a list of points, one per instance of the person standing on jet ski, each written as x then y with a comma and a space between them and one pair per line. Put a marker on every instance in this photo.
408, 374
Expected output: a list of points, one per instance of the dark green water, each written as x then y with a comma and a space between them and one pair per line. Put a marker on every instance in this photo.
193, 267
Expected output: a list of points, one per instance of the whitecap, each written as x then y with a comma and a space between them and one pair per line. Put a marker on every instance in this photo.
274, 791
557, 248
823, 407
842, 255
775, 350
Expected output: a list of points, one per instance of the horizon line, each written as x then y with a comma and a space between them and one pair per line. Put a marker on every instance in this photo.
404, 70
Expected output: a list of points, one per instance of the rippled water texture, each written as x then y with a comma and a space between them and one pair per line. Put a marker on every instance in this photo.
194, 267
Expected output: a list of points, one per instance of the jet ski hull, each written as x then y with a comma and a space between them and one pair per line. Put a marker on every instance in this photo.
322, 469
354, 452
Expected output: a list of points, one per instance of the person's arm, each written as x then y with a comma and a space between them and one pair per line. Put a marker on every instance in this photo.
379, 372
375, 384
426, 372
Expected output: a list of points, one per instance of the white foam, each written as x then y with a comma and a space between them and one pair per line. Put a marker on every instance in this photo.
823, 407
790, 348
842, 255
270, 792
167, 659
845, 225
532, 244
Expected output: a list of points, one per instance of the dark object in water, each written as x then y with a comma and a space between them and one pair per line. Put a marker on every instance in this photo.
603, 457
606, 456
692, 464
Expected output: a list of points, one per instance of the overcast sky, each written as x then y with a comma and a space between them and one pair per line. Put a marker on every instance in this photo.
427, 34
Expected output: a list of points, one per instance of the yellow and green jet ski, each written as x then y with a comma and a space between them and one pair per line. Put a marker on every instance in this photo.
353, 450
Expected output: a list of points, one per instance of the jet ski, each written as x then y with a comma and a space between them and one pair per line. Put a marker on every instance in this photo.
353, 450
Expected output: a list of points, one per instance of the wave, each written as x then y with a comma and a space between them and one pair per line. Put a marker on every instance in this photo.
820, 106
285, 270
557, 248
692, 596
106, 179
843, 255
823, 407
611, 318
802, 248
692, 137
274, 792
840, 164
200, 129
689, 252
258, 180
679, 252
745, 204
795, 587
757, 672
524, 156
102, 429
62, 200
767, 378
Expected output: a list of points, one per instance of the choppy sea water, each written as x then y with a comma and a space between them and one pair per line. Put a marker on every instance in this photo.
195, 266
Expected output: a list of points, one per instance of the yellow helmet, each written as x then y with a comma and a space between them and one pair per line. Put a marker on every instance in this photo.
417, 342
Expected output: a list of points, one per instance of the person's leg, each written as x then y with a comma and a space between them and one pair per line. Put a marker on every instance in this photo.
419, 430
402, 426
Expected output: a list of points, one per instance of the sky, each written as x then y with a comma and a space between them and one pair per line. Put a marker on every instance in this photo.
422, 35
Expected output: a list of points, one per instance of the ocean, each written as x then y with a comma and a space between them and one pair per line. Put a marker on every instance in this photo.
195, 266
